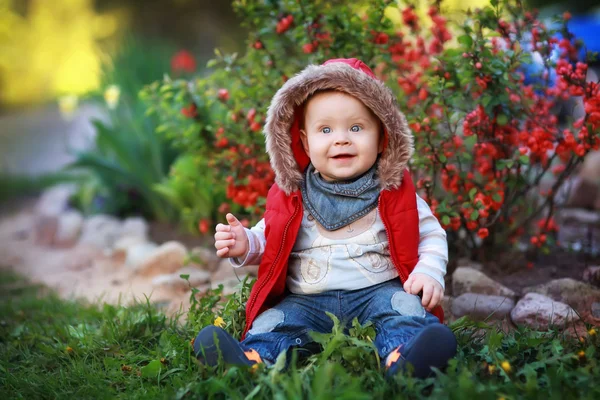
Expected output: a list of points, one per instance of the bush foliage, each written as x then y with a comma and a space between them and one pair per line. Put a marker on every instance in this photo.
485, 139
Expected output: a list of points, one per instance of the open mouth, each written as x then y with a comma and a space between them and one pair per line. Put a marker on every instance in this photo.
342, 156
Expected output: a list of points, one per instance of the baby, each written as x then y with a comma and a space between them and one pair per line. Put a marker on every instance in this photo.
344, 230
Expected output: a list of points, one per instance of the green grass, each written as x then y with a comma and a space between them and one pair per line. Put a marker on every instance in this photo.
52, 348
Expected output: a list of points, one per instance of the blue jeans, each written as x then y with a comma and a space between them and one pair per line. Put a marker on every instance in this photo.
396, 315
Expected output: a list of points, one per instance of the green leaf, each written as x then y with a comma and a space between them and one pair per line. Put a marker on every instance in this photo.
152, 369
474, 215
524, 159
465, 40
472, 193
446, 220
502, 119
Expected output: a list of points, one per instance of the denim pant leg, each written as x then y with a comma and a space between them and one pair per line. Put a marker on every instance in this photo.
288, 324
396, 315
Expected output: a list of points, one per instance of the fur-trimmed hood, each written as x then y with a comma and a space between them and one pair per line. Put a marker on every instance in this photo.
351, 76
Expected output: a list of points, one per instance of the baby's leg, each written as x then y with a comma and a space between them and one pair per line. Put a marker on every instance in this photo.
406, 332
287, 326
279, 329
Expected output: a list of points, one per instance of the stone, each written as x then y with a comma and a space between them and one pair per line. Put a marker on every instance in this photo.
576, 294
165, 259
596, 310
174, 281
578, 216
591, 275
69, 229
135, 227
45, 230
137, 253
469, 280
122, 246
466, 262
206, 258
482, 307
101, 231
540, 312
54, 201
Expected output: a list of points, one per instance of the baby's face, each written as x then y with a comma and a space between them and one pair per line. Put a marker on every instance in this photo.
341, 135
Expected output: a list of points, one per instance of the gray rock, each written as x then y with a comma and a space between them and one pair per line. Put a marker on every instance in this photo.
135, 227
591, 275
465, 262
578, 216
70, 224
45, 230
101, 231
576, 294
469, 280
206, 258
596, 310
537, 311
174, 281
54, 201
138, 253
166, 259
481, 306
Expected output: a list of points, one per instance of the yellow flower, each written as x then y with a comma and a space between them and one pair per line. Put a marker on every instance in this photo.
581, 354
67, 105
592, 332
219, 322
506, 366
491, 369
69, 350
111, 96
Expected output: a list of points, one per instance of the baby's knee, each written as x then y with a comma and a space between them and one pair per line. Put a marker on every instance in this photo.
407, 305
268, 321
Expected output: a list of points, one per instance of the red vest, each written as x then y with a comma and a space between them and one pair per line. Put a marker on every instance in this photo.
283, 215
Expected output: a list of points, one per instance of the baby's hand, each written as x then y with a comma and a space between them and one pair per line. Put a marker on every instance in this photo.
231, 240
432, 290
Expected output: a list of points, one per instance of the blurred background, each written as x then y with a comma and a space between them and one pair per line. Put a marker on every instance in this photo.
53, 53
67, 63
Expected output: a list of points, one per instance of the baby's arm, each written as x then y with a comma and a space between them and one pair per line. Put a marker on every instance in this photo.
256, 246
433, 247
428, 274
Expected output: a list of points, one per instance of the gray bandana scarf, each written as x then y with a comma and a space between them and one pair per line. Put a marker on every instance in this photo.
337, 204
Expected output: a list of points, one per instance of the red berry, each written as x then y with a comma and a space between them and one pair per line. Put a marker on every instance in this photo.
223, 95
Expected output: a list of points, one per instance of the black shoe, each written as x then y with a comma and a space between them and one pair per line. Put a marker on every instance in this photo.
432, 347
213, 342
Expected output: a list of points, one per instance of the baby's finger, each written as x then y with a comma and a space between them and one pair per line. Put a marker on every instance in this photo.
224, 235
219, 244
408, 284
416, 286
436, 299
223, 252
222, 228
427, 294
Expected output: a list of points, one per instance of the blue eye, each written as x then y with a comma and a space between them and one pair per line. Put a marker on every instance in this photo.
355, 128
326, 130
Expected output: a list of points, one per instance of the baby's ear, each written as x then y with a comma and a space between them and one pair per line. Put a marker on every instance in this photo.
304, 140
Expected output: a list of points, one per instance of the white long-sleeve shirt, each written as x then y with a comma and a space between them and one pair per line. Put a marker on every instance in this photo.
352, 257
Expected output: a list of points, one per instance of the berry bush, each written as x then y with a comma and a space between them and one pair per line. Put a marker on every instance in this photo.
486, 134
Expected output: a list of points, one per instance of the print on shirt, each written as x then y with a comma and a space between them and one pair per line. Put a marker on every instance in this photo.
351, 257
